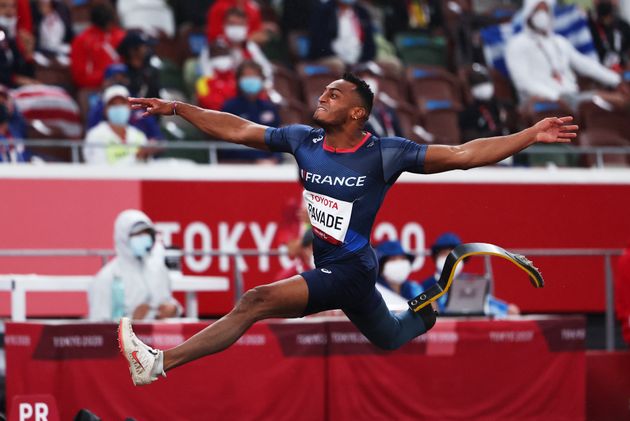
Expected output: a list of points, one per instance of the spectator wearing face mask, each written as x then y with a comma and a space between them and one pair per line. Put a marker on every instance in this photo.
95, 48
543, 64
440, 250
235, 35
251, 104
342, 29
136, 283
483, 116
218, 12
118, 74
611, 35
394, 269
115, 141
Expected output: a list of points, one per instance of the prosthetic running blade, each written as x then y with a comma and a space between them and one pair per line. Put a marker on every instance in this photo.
466, 250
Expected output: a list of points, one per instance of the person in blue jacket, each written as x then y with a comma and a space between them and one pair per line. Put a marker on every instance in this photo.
443, 245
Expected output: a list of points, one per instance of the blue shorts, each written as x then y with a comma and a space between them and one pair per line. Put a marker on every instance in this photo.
347, 286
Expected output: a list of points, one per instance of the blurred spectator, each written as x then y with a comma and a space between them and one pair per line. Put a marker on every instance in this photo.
394, 269
440, 250
144, 77
16, 48
390, 16
216, 21
425, 14
383, 120
153, 17
136, 283
114, 141
622, 293
235, 30
10, 150
117, 74
611, 35
95, 48
251, 104
303, 260
50, 108
53, 26
296, 14
219, 83
543, 64
17, 123
190, 12
342, 29
483, 116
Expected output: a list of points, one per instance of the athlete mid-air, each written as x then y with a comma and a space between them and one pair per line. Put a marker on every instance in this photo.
345, 173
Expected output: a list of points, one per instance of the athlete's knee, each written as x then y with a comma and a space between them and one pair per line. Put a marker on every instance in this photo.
254, 302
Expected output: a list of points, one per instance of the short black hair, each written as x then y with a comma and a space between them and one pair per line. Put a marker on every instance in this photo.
248, 64
363, 89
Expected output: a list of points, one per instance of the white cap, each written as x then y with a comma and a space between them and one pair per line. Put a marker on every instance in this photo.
115, 91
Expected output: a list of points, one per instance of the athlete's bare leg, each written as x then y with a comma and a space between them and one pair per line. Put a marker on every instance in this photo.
286, 298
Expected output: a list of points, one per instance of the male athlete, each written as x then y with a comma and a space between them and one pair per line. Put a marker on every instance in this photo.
345, 173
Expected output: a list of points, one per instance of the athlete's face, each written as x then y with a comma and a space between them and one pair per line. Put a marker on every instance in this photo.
338, 104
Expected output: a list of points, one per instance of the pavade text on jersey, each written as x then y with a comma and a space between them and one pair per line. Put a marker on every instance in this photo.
329, 221
333, 181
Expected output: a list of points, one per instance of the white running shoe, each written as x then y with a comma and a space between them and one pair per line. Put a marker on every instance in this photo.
144, 361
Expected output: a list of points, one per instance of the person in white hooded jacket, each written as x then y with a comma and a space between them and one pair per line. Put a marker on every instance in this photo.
140, 265
543, 64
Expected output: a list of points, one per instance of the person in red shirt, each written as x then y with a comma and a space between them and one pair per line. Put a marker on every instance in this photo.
216, 18
214, 89
622, 293
95, 49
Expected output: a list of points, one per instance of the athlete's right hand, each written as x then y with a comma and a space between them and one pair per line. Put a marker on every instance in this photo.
152, 106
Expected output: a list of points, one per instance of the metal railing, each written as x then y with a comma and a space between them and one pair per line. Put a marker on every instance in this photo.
212, 147
606, 254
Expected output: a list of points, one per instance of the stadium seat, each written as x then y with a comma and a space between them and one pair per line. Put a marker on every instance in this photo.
294, 112
604, 137
593, 116
427, 82
419, 48
285, 82
299, 45
535, 110
314, 78
440, 117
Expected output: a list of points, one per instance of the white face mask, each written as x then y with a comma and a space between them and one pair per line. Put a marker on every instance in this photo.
236, 33
222, 63
483, 91
541, 21
439, 266
10, 24
141, 245
397, 271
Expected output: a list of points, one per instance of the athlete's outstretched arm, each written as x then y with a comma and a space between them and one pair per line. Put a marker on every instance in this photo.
491, 150
217, 124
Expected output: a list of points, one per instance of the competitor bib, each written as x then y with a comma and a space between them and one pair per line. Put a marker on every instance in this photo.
330, 218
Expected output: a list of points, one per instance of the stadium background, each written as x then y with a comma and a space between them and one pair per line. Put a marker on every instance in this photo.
567, 207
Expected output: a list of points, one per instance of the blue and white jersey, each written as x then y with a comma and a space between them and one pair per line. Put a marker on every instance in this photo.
344, 188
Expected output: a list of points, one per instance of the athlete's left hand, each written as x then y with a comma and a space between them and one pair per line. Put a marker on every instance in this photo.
555, 130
